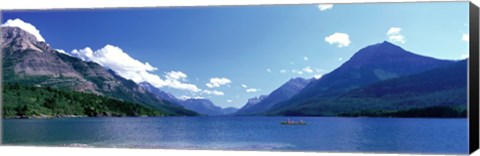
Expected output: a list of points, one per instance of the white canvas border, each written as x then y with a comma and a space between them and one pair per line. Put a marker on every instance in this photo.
89, 4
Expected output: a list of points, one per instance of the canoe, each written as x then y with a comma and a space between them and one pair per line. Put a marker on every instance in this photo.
293, 123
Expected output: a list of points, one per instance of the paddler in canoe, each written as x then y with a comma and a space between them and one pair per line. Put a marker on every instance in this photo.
289, 122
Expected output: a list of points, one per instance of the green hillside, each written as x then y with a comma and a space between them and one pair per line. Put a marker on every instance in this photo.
27, 101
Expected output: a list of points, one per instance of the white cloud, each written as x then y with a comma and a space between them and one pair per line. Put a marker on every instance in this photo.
394, 31
318, 76
466, 37
112, 57
397, 38
252, 90
299, 72
244, 86
307, 70
229, 101
176, 75
340, 59
184, 97
116, 59
305, 58
24, 26
268, 70
85, 54
394, 35
172, 80
213, 92
464, 56
341, 39
62, 51
217, 82
283, 71
324, 7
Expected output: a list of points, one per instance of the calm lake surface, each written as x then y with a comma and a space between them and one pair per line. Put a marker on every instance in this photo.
327, 134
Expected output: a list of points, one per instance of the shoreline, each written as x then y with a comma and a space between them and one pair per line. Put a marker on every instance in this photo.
45, 116
85, 116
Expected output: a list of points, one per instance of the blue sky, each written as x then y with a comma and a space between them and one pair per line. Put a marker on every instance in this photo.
246, 47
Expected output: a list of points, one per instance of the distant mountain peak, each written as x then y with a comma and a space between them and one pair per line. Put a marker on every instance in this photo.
253, 101
384, 47
384, 44
260, 104
371, 64
387, 43
206, 107
379, 53
157, 92
198, 104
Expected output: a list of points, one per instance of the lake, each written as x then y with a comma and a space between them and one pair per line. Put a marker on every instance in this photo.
326, 134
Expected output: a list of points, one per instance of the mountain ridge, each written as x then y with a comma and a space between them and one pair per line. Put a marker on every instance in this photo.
282, 93
29, 62
201, 106
371, 64
442, 87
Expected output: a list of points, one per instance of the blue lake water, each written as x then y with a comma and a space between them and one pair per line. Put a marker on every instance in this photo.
326, 134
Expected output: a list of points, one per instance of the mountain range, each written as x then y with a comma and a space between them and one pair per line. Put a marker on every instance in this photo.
199, 105
256, 106
377, 80
27, 61
440, 87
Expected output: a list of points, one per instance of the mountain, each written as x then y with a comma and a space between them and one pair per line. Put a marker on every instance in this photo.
206, 107
229, 110
371, 64
159, 93
253, 101
440, 89
257, 106
202, 106
29, 62
448, 77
